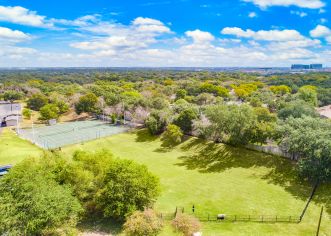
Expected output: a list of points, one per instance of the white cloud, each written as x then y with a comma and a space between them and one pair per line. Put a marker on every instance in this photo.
311, 4
150, 25
252, 15
80, 22
150, 42
146, 21
271, 35
115, 37
321, 31
109, 43
10, 35
23, 16
299, 13
199, 36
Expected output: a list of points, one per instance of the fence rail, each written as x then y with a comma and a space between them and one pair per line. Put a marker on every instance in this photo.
234, 218
249, 218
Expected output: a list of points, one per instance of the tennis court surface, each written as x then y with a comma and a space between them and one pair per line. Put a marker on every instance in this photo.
59, 135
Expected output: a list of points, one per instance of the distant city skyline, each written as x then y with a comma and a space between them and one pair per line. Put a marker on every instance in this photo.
169, 33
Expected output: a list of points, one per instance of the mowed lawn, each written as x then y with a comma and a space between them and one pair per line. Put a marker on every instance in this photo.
13, 149
214, 177
217, 178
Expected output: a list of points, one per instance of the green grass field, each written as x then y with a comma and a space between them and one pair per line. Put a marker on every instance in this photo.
220, 179
215, 178
14, 149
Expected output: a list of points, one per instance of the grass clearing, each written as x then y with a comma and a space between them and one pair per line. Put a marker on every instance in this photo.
217, 178
13, 149
214, 177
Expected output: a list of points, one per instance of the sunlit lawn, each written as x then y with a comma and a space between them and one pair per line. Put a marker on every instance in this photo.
220, 179
14, 149
215, 178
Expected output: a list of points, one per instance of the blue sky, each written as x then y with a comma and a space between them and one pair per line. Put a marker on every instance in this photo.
219, 33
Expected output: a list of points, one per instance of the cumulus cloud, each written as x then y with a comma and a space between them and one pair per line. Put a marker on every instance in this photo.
271, 35
141, 33
321, 31
10, 35
23, 16
311, 4
199, 36
149, 42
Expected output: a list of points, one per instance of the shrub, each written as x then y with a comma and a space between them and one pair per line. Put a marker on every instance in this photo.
157, 122
87, 103
12, 95
37, 101
49, 111
185, 119
143, 223
186, 224
181, 94
27, 113
173, 135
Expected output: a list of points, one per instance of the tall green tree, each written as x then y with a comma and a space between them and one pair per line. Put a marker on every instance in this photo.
128, 187
37, 101
33, 203
185, 119
87, 103
12, 95
310, 139
49, 111
308, 93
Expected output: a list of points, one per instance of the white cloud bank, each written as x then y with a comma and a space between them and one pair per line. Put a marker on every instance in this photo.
150, 42
271, 35
311, 4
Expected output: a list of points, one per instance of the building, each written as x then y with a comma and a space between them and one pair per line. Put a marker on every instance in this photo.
10, 113
316, 66
307, 67
325, 112
300, 67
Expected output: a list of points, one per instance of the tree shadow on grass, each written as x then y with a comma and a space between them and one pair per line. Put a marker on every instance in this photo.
144, 136
323, 196
209, 157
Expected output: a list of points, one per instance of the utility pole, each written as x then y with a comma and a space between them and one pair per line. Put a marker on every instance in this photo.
33, 134
319, 222
123, 113
17, 120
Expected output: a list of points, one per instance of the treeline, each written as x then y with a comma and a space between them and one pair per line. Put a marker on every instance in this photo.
226, 109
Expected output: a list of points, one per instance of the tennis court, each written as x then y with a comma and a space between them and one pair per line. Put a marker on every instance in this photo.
59, 135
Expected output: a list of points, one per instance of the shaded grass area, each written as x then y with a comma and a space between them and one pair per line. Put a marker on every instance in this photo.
217, 178
13, 149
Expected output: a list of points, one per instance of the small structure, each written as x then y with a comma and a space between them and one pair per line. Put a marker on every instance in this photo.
325, 112
52, 122
10, 113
